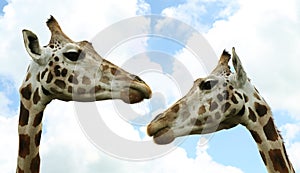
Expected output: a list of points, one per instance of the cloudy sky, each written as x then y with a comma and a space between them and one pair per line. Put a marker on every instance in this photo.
265, 34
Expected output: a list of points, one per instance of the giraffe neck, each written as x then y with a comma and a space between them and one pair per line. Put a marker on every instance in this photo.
269, 141
33, 102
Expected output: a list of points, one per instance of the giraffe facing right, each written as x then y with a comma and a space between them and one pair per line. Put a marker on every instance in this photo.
223, 100
69, 71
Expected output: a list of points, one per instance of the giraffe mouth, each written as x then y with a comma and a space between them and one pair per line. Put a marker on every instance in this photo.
135, 95
161, 136
136, 92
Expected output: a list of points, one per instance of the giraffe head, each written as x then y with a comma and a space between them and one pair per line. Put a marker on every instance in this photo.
69, 70
214, 103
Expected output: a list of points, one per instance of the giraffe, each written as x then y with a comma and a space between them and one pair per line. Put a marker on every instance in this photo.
219, 101
67, 71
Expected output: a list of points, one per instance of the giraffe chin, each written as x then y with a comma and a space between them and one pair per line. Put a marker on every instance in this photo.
164, 136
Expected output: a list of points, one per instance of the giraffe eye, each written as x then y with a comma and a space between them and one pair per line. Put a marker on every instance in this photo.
74, 56
207, 85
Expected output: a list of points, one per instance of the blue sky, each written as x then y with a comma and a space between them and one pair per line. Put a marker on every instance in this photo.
223, 23
2, 4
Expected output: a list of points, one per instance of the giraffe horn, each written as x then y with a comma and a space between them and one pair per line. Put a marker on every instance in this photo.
225, 57
56, 32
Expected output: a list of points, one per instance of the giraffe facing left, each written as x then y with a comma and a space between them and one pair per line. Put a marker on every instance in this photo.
69, 71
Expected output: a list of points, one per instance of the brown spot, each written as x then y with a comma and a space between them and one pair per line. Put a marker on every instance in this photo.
115, 71
56, 70
26, 92
37, 138
278, 161
201, 110
44, 72
24, 145
175, 108
64, 72
38, 77
38, 119
104, 67
256, 96
226, 94
86, 80
246, 98
263, 157
20, 170
96, 89
24, 115
70, 89
28, 76
234, 100
50, 63
242, 111
256, 136
51, 46
220, 97
217, 115
251, 115
270, 130
104, 79
260, 109
46, 92
36, 96
56, 58
60, 83
35, 164
213, 106
230, 87
49, 77
73, 79
81, 90
239, 94
225, 107
232, 111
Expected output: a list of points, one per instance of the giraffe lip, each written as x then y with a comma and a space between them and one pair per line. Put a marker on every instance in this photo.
162, 136
135, 95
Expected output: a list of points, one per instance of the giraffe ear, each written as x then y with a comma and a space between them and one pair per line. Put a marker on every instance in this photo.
32, 46
241, 76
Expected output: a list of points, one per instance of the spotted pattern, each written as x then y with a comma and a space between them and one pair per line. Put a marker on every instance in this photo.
24, 115
270, 130
49, 77
234, 100
60, 83
73, 79
26, 92
24, 145
35, 164
263, 157
38, 119
37, 138
36, 96
251, 115
242, 111
225, 107
278, 161
260, 109
86, 80
256, 136
213, 106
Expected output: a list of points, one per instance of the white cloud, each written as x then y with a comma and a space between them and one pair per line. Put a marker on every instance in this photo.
64, 147
266, 38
